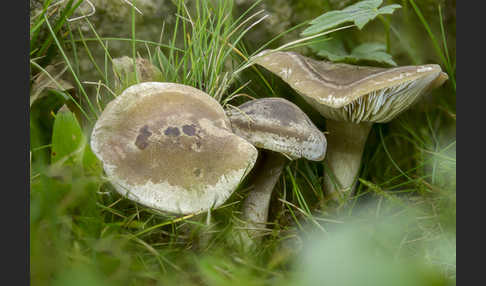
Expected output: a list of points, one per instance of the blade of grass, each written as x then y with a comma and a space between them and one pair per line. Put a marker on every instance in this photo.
72, 71
58, 85
73, 44
134, 43
389, 155
444, 40
435, 43
90, 56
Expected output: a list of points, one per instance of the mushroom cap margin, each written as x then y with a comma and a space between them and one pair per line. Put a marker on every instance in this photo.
335, 89
170, 147
279, 125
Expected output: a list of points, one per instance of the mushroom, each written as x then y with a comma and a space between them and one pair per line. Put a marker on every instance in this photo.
351, 98
124, 73
170, 147
279, 127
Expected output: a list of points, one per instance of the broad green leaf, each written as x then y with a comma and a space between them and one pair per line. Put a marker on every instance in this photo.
332, 49
67, 137
41, 126
335, 51
389, 9
360, 13
91, 163
375, 52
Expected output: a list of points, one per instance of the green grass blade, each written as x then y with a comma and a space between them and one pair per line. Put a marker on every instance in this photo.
80, 86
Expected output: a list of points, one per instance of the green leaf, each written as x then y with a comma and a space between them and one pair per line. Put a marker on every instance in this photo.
360, 13
67, 137
389, 9
91, 163
335, 51
41, 126
331, 49
375, 52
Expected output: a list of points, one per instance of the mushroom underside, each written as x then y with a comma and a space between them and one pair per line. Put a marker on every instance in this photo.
378, 106
348, 128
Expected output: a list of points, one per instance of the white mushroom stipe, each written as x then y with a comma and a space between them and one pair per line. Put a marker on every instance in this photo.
346, 142
256, 205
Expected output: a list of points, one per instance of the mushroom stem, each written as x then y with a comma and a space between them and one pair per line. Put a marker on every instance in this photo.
256, 205
345, 147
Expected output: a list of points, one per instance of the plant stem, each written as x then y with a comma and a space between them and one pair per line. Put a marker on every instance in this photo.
345, 145
256, 205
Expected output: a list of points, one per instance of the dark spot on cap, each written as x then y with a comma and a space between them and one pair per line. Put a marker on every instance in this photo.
172, 131
143, 134
197, 172
189, 130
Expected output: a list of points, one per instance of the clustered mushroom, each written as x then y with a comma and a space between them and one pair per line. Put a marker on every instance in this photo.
351, 98
125, 74
173, 147
170, 147
279, 128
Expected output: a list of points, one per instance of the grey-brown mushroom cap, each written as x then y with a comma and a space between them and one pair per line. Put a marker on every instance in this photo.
170, 147
278, 125
346, 92
145, 69
123, 70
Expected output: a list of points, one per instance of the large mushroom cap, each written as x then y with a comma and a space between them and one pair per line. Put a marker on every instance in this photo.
279, 125
170, 147
346, 92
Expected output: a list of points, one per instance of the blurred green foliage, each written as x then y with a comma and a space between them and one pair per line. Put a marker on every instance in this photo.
368, 250
334, 50
359, 13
